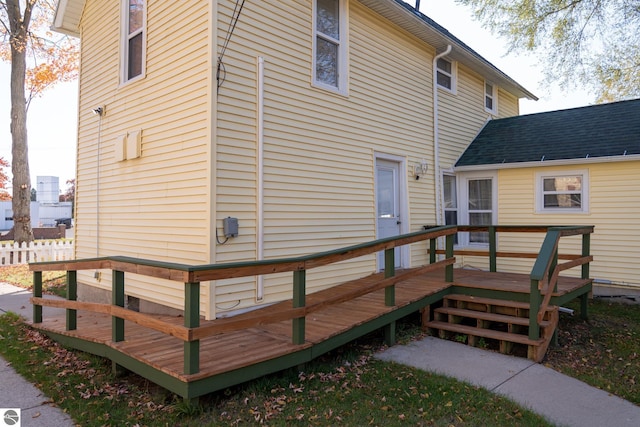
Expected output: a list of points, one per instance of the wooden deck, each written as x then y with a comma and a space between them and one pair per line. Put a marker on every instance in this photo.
236, 356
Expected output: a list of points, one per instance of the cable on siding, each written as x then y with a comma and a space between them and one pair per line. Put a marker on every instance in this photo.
221, 72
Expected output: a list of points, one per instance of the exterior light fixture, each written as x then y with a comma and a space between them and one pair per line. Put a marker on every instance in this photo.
420, 169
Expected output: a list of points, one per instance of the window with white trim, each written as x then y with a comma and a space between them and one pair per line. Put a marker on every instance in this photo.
562, 192
490, 98
446, 74
330, 44
476, 205
133, 39
450, 189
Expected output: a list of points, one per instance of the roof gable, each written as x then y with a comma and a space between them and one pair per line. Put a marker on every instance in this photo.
598, 131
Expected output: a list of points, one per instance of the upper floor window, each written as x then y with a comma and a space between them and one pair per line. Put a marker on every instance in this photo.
562, 192
330, 64
446, 74
133, 39
490, 98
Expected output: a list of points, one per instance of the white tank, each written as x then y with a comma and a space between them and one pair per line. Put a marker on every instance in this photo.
48, 189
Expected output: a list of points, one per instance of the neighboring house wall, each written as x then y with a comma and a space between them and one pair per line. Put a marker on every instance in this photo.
614, 201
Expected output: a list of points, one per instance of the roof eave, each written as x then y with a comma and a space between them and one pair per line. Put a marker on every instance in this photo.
545, 163
64, 20
405, 16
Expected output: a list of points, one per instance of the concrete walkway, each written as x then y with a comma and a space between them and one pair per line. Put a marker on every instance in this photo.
563, 400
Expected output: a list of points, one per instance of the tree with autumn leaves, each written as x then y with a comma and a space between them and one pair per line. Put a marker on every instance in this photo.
39, 59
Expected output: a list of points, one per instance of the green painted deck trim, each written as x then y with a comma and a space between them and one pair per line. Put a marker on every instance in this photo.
72, 295
37, 292
117, 298
493, 249
299, 300
191, 364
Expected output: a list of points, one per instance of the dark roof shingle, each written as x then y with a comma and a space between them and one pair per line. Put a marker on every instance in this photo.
602, 130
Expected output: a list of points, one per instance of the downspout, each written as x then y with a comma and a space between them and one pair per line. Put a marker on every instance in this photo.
260, 174
436, 141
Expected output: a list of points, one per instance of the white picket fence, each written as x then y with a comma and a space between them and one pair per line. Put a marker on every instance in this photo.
36, 251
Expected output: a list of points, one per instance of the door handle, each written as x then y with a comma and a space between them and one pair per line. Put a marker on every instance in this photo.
398, 222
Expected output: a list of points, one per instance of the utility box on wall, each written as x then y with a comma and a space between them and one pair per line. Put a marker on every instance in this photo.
230, 227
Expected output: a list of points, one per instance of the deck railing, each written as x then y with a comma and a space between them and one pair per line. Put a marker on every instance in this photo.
191, 332
544, 276
546, 270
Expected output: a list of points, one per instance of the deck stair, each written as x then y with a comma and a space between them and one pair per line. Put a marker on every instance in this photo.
505, 322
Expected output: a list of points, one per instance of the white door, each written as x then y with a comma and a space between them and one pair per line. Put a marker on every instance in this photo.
388, 215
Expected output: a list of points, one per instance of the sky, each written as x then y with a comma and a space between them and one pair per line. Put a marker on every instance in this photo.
52, 118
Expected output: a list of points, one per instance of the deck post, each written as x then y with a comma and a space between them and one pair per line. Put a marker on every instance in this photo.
191, 320
433, 247
389, 271
117, 298
448, 270
299, 296
535, 299
72, 295
554, 264
37, 293
586, 250
493, 249
390, 294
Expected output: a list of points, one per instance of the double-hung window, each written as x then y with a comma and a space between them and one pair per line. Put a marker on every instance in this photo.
473, 202
133, 39
562, 192
490, 98
330, 44
446, 74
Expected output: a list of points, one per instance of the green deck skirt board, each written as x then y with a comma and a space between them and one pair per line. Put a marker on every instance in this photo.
407, 302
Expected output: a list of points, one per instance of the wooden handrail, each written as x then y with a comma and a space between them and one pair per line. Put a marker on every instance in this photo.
188, 273
231, 324
551, 283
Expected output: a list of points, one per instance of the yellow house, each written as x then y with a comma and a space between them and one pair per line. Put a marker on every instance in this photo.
576, 166
223, 131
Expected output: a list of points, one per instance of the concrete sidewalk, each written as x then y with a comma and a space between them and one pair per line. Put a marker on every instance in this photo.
563, 400
16, 392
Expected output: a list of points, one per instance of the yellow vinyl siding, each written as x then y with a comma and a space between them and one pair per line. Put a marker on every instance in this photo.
319, 145
613, 206
154, 206
462, 114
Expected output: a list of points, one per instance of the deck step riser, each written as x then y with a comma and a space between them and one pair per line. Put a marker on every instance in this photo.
507, 322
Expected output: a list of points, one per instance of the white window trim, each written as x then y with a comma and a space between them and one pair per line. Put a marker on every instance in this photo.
494, 98
124, 43
539, 208
343, 54
463, 204
453, 75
